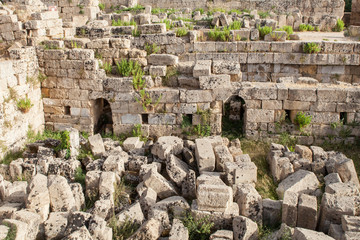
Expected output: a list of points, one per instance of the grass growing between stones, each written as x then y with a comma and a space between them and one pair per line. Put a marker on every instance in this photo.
258, 151
123, 230
199, 229
10, 156
11, 233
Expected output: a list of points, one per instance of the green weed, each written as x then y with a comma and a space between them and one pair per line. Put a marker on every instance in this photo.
263, 31
151, 49
180, 32
123, 230
24, 104
302, 120
340, 25
311, 48
199, 229
102, 6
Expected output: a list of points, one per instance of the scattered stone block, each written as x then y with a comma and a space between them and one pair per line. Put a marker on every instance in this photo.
347, 172
133, 213
132, 143
306, 234
163, 60
299, 182
222, 235
55, 225
204, 154
290, 209
177, 170
272, 212
96, 145
222, 155
307, 212
178, 231
61, 196
244, 228
250, 202
166, 146
159, 184
350, 223
151, 230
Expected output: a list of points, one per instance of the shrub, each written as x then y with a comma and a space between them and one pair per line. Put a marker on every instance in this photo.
340, 25
236, 25
107, 67
123, 23
168, 23
311, 48
201, 10
102, 6
24, 105
302, 120
128, 68
264, 31
264, 14
220, 35
199, 229
150, 49
123, 230
310, 27
180, 32
80, 176
288, 29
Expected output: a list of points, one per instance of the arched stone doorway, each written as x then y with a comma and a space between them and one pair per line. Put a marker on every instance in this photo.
233, 117
102, 116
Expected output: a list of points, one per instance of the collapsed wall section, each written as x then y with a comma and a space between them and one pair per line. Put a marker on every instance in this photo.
19, 81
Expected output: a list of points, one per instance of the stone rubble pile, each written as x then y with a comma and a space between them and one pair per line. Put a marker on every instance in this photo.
208, 177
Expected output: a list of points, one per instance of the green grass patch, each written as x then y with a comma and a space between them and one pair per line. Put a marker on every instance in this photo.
11, 156
123, 230
199, 229
11, 235
258, 152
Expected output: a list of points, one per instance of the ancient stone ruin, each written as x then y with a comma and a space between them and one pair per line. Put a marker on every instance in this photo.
123, 111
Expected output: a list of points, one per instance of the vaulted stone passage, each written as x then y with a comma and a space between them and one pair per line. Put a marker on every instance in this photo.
102, 116
233, 116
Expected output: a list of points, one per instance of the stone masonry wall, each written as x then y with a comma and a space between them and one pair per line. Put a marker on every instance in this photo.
19, 80
355, 13
309, 9
75, 83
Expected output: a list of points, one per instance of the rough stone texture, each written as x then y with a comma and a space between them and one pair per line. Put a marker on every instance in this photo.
290, 209
38, 198
55, 225
307, 212
177, 170
166, 146
178, 231
300, 182
96, 145
222, 235
61, 196
272, 212
150, 230
250, 202
222, 155
159, 184
305, 234
350, 223
347, 172
204, 154
244, 228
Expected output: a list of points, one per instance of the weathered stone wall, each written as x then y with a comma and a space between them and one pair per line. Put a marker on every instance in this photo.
19, 80
308, 8
75, 82
355, 13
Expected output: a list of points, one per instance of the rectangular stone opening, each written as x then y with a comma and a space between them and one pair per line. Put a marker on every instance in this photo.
67, 110
288, 116
145, 118
343, 117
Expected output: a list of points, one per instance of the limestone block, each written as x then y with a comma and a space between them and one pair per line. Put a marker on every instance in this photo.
204, 154
301, 181
118, 84
195, 96
222, 155
33, 221
121, 43
347, 172
151, 230
213, 197
96, 145
307, 212
21, 228
351, 235
245, 229
241, 172
61, 196
332, 178
8, 209
81, 54
202, 68
222, 235
99, 230
226, 67
157, 71
178, 231
133, 212
147, 200
152, 28
305, 234
38, 199
290, 209
260, 115
304, 152
335, 231
272, 212
45, 15
214, 81
188, 189
114, 163
162, 119
107, 183
16, 192
163, 59
159, 184
167, 145
177, 170
3, 231
333, 206
81, 233
103, 208
132, 143
350, 223
250, 202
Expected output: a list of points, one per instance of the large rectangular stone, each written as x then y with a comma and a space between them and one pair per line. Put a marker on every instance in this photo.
163, 59
202, 68
307, 212
215, 81
302, 94
131, 119
260, 115
204, 155
162, 119
331, 95
152, 28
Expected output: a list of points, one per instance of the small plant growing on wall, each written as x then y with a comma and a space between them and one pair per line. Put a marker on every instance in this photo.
302, 120
264, 31
311, 48
102, 6
180, 32
340, 25
146, 100
24, 104
150, 49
